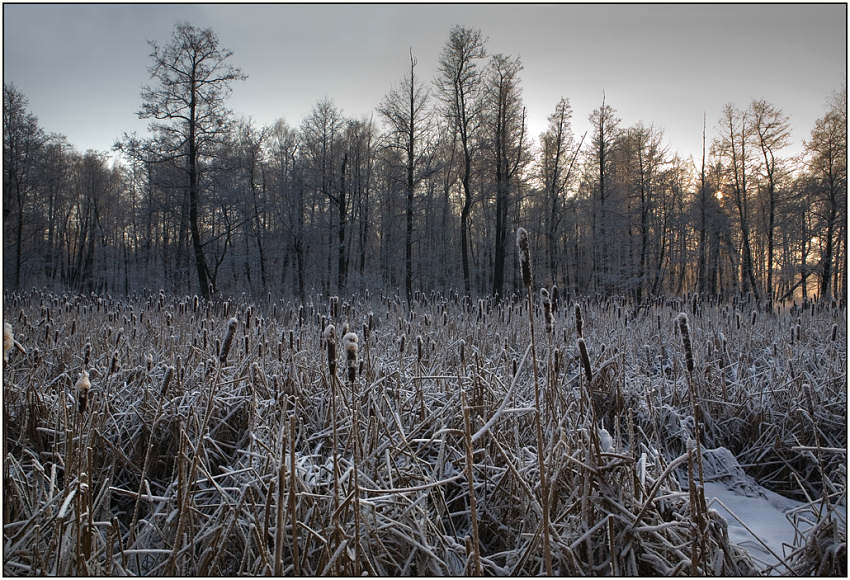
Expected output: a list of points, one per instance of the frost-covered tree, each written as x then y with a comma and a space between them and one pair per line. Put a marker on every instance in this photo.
186, 104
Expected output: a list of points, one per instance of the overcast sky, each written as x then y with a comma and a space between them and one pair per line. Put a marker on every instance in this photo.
82, 65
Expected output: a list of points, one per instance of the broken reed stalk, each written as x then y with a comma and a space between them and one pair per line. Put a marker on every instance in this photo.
349, 342
473, 515
292, 499
525, 266
701, 507
281, 485
330, 339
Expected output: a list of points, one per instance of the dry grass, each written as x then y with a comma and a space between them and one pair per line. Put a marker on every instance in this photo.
225, 463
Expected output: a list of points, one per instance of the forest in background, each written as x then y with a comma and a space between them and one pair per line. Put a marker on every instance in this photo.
424, 195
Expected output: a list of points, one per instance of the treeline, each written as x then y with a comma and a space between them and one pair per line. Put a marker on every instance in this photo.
424, 195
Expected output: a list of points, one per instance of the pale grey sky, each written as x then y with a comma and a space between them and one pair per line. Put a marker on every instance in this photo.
82, 65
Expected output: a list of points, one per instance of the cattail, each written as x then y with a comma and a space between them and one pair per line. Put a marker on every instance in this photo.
330, 339
401, 345
524, 256
169, 373
113, 365
86, 354
753, 321
83, 385
834, 331
685, 329
228, 339
578, 320
8, 340
555, 299
349, 343
547, 309
248, 314
463, 353
585, 360
419, 347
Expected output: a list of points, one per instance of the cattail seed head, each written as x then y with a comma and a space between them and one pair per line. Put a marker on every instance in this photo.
547, 309
401, 345
578, 320
349, 343
330, 339
228, 339
585, 359
8, 340
418, 348
166, 380
524, 256
113, 365
834, 331
86, 354
82, 387
685, 329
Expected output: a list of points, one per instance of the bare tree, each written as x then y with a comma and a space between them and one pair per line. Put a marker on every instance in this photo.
186, 104
505, 118
732, 147
22, 143
605, 131
459, 83
827, 161
405, 109
555, 168
771, 132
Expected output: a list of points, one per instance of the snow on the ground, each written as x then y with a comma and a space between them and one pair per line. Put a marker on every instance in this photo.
767, 514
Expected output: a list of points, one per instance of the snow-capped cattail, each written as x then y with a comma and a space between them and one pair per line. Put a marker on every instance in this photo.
547, 309
578, 320
330, 339
8, 340
585, 360
685, 329
169, 374
82, 387
524, 256
228, 339
349, 343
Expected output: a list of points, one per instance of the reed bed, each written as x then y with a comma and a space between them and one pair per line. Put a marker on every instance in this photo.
216, 437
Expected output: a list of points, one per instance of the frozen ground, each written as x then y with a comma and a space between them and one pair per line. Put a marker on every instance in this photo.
768, 525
